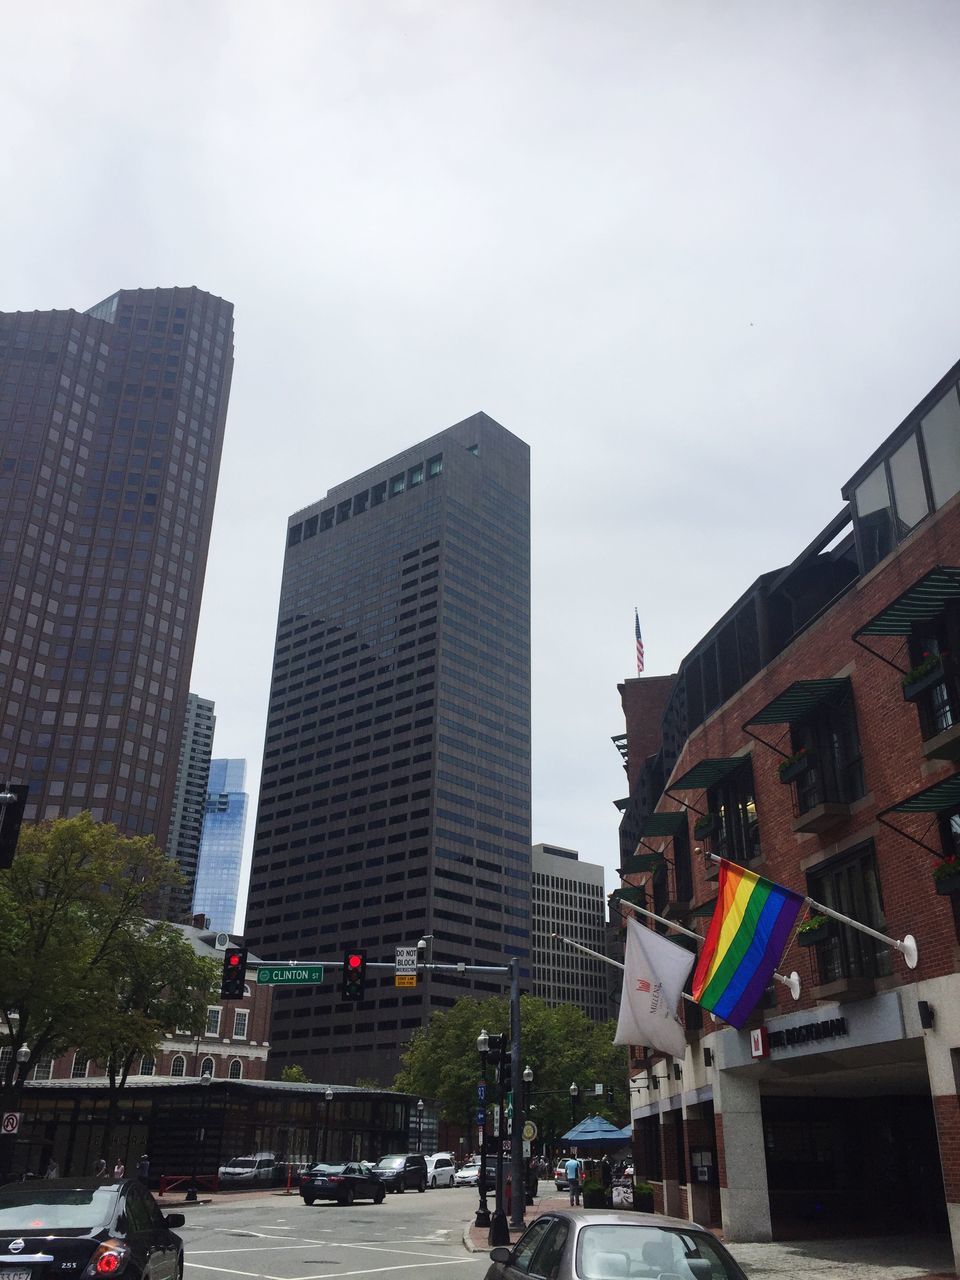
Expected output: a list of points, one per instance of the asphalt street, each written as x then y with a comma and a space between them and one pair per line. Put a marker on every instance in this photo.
280, 1238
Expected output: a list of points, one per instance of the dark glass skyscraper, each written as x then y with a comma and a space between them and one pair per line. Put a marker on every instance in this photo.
111, 428
395, 799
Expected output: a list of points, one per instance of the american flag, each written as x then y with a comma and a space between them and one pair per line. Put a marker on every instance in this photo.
636, 628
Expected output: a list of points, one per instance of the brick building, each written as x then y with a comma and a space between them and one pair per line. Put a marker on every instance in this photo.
838, 1110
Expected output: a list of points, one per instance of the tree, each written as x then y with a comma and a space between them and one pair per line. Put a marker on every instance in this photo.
560, 1044
294, 1074
73, 909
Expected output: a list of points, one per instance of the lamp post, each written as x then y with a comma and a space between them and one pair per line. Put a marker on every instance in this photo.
200, 1136
574, 1095
419, 1123
483, 1213
327, 1099
8, 1140
499, 1230
527, 1087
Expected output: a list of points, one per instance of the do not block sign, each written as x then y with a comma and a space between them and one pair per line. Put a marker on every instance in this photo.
11, 1121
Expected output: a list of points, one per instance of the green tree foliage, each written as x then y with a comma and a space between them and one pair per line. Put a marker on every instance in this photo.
560, 1044
80, 964
294, 1074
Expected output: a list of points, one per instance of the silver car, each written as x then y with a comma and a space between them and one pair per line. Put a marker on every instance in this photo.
606, 1244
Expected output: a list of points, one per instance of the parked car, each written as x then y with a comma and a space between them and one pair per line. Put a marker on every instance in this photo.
469, 1175
341, 1182
560, 1174
605, 1243
441, 1169
402, 1171
87, 1227
257, 1170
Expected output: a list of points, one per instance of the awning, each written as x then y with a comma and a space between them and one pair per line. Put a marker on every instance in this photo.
637, 896
704, 909
707, 773
922, 602
800, 700
936, 799
641, 862
664, 824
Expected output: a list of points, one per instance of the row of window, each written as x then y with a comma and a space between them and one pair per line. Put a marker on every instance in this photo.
366, 498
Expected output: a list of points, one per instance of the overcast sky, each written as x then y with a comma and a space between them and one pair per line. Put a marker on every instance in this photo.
703, 257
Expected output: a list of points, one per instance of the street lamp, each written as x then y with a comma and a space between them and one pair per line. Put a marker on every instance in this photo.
499, 1230
574, 1095
419, 1123
22, 1058
201, 1135
327, 1099
527, 1085
483, 1213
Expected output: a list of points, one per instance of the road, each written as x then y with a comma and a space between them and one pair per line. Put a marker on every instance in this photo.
278, 1237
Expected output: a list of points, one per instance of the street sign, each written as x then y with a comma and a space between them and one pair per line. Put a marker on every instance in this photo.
496, 1122
11, 1121
289, 975
406, 967
526, 1149
482, 1091
481, 1116
529, 1130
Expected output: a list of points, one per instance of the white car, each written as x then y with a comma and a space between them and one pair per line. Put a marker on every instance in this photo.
441, 1169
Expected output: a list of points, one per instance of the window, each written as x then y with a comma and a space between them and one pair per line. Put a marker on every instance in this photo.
178, 1067
208, 1067
550, 1253
851, 885
240, 1024
738, 831
835, 772
434, 465
415, 475
874, 518
79, 1069
213, 1022
397, 485
148, 1066
528, 1243
236, 1070
938, 700
44, 1067
940, 430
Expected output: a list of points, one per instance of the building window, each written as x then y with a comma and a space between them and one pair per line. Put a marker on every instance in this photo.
79, 1069
240, 1024
148, 1066
44, 1068
208, 1067
434, 465
851, 885
415, 475
397, 485
236, 1070
738, 830
213, 1022
178, 1067
835, 772
938, 705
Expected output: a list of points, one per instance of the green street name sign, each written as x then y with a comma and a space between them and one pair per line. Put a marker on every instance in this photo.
273, 976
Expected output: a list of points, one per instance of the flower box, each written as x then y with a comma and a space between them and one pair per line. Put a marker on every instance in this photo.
813, 937
705, 825
923, 677
946, 876
794, 766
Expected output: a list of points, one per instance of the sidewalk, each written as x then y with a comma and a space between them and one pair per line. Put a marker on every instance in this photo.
884, 1258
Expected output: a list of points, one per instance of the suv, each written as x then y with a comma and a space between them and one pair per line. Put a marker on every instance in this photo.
397, 1173
257, 1170
440, 1169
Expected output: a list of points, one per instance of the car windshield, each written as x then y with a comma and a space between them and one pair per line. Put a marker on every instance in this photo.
25, 1210
391, 1162
242, 1163
626, 1250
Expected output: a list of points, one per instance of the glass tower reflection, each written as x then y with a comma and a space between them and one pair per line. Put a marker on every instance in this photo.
221, 845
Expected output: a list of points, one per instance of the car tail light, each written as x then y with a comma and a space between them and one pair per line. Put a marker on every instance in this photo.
109, 1259
335, 1177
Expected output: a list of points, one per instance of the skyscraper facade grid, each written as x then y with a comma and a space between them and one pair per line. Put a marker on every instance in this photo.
217, 882
395, 797
189, 800
567, 900
111, 430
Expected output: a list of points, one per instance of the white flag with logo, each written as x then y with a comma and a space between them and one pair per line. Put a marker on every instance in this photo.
654, 972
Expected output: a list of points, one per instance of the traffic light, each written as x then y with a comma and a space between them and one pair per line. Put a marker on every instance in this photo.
13, 801
354, 975
234, 973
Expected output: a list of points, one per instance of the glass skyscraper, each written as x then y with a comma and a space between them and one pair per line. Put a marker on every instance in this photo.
111, 429
221, 844
395, 798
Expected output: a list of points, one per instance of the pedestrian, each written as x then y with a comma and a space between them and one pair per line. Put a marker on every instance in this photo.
100, 1168
143, 1170
118, 1168
606, 1177
53, 1169
572, 1171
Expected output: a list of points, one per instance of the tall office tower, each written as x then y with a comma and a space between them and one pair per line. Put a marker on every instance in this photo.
189, 801
221, 846
395, 798
111, 428
568, 900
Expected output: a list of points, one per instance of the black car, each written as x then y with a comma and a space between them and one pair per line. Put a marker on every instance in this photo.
397, 1173
86, 1228
341, 1182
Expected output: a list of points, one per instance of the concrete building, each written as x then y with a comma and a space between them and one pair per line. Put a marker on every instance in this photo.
189, 800
395, 797
111, 429
567, 898
217, 884
838, 1111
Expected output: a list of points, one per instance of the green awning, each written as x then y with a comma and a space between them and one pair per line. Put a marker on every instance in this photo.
664, 824
922, 602
641, 862
936, 799
637, 896
707, 773
704, 909
799, 700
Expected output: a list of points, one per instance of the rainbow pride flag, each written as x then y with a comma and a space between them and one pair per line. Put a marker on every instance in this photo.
750, 926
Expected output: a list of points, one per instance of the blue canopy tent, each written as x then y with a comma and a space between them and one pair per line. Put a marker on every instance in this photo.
596, 1133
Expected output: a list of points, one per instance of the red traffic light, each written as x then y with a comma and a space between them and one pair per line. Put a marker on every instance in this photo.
233, 960
354, 961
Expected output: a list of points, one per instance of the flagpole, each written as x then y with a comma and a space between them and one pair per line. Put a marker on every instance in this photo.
792, 982
907, 947
578, 946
